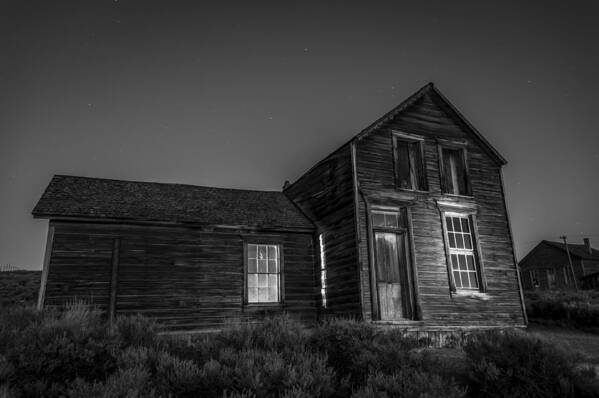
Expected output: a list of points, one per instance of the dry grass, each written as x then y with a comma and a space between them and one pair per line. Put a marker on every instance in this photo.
586, 345
19, 287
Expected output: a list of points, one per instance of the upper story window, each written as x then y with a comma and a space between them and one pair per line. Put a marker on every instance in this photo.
454, 173
464, 263
263, 273
409, 163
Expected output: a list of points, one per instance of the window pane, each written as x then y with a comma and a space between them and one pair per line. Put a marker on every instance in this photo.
391, 220
447, 179
457, 280
262, 280
263, 294
467, 241
252, 265
378, 219
470, 260
262, 266
465, 226
262, 252
273, 280
252, 294
473, 280
456, 224
252, 280
272, 252
272, 294
454, 261
252, 251
451, 237
449, 224
462, 259
460, 172
272, 266
404, 179
459, 241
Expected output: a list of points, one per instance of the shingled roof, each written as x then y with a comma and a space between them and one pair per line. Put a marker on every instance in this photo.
97, 198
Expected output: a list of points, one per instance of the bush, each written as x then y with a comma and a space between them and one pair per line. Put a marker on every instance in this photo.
518, 365
576, 309
44, 353
409, 383
355, 349
75, 353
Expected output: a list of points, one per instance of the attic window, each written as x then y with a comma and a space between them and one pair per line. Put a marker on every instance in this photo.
409, 165
454, 174
263, 274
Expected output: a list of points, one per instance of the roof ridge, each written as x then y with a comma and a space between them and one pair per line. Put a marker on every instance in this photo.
165, 183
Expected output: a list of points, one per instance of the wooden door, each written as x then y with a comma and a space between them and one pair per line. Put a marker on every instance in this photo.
393, 276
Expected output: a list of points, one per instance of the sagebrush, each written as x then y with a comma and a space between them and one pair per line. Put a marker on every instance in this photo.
75, 353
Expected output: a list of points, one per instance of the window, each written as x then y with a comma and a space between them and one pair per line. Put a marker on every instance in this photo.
385, 219
462, 257
323, 272
454, 177
263, 273
533, 278
550, 277
409, 166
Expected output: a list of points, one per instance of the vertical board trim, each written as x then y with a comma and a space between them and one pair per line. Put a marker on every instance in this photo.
509, 226
46, 268
357, 224
114, 278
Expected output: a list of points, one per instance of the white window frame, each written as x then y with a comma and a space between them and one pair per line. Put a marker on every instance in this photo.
323, 272
251, 282
474, 252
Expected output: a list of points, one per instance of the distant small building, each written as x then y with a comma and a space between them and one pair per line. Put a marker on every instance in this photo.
547, 265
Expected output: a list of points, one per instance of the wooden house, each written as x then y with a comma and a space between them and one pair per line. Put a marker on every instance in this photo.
404, 224
547, 265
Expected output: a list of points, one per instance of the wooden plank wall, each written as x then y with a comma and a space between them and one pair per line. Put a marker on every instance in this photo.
325, 194
545, 256
79, 268
185, 278
501, 304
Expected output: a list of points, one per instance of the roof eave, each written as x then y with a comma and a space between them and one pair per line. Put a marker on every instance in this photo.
193, 224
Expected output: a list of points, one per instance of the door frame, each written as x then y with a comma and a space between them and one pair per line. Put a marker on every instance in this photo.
412, 277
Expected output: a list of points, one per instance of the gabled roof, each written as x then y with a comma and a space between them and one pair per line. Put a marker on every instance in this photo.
576, 251
97, 198
449, 108
579, 251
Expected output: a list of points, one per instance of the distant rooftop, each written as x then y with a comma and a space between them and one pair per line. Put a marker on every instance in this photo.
580, 251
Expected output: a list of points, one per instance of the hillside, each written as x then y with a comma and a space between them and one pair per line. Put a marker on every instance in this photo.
19, 287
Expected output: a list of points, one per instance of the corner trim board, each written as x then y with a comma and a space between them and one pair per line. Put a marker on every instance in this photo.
357, 222
46, 268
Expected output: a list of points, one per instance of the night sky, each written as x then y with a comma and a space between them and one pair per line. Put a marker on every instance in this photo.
250, 94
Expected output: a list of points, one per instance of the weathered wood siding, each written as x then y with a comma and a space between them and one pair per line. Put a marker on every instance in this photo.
185, 278
544, 257
325, 194
427, 117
